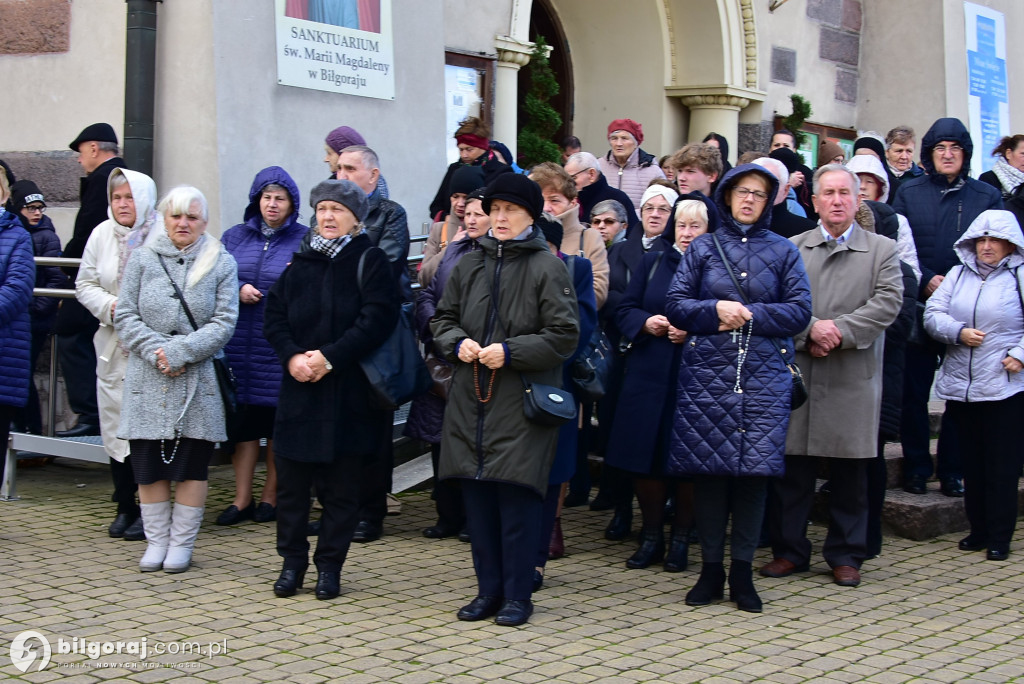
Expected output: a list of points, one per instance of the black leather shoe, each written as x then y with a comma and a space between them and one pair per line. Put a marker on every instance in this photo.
120, 524
265, 513
514, 613
232, 515
651, 550
328, 585
367, 531
289, 582
953, 487
439, 532
464, 536
574, 499
969, 543
313, 528
480, 608
135, 531
998, 554
620, 526
915, 484
538, 580
80, 430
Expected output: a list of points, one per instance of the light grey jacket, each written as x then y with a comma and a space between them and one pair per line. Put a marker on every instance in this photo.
149, 317
992, 305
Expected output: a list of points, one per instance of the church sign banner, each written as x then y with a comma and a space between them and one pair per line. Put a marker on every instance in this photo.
341, 46
987, 97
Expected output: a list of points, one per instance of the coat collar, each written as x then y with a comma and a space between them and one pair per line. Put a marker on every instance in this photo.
857, 242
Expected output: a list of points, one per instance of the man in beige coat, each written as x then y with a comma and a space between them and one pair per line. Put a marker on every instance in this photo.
857, 291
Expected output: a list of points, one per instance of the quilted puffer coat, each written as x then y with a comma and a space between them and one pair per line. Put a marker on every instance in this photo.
717, 430
992, 304
261, 260
17, 278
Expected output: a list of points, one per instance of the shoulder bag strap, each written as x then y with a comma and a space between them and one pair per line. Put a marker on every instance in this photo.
178, 294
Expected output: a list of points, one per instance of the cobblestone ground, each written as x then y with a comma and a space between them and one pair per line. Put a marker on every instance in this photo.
925, 612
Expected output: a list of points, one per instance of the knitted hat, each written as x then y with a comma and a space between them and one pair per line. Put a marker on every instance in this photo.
97, 132
669, 194
343, 192
342, 137
551, 227
517, 189
870, 143
628, 125
25, 192
788, 157
829, 151
465, 180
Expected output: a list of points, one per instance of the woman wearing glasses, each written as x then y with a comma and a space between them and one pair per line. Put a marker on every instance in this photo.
733, 402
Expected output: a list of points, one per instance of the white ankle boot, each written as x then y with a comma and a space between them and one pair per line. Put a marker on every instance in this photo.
184, 528
156, 518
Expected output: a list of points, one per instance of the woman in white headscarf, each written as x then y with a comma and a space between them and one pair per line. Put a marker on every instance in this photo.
132, 210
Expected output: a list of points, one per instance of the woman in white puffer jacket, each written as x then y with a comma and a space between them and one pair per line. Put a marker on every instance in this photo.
978, 312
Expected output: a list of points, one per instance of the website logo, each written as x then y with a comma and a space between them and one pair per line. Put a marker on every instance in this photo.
25, 650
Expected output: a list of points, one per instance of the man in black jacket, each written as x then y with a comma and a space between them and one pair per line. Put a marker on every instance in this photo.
593, 188
97, 152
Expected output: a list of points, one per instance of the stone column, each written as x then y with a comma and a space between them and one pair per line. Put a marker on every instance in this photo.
512, 54
715, 108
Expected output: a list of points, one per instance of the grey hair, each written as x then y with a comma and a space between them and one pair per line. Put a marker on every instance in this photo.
828, 168
275, 187
610, 206
585, 160
775, 167
107, 147
180, 199
117, 179
370, 160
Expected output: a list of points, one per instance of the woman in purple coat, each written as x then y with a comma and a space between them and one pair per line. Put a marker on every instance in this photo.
262, 245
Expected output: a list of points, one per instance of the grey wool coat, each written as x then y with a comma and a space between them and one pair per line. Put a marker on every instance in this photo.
150, 317
858, 285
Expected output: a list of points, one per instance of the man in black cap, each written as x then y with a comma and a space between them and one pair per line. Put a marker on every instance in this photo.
98, 154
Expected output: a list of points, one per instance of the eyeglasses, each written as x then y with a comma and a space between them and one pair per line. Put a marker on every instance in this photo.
656, 210
573, 175
33, 208
951, 149
604, 222
755, 195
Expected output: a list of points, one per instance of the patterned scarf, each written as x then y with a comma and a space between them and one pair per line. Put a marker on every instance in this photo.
330, 247
267, 231
1009, 177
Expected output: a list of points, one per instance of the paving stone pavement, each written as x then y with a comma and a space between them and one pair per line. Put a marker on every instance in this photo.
926, 612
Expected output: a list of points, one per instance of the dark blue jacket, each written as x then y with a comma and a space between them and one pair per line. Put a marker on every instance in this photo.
939, 211
718, 431
261, 261
45, 243
599, 191
17, 278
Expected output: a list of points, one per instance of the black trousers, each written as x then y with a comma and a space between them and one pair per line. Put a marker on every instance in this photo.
447, 496
915, 433
993, 438
715, 499
846, 541
78, 364
504, 522
338, 493
124, 486
877, 477
375, 479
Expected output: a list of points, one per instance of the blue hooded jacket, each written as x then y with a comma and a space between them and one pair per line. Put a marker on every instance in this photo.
17, 278
261, 260
939, 211
719, 431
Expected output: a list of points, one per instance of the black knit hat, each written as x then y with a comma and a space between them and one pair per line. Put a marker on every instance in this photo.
551, 228
465, 180
870, 143
343, 192
25, 192
517, 189
97, 132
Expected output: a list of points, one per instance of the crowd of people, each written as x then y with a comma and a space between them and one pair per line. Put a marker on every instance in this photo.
762, 325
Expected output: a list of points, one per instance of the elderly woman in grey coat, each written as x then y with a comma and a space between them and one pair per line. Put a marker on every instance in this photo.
172, 411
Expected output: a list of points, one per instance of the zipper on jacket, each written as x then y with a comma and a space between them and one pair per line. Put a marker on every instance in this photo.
960, 216
970, 350
488, 333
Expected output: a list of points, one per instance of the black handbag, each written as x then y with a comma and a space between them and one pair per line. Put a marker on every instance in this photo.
546, 404
798, 394
225, 377
395, 370
592, 369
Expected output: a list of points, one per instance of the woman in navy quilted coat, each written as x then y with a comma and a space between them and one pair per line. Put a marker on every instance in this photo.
733, 401
262, 245
17, 278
